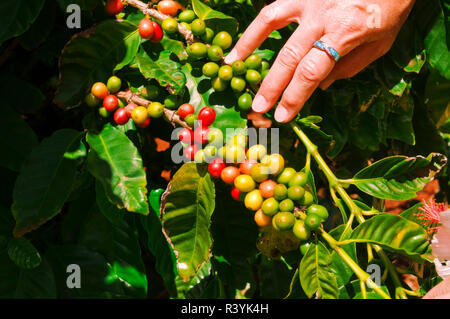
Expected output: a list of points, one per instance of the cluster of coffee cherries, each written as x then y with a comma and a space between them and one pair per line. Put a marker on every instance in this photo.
280, 196
111, 104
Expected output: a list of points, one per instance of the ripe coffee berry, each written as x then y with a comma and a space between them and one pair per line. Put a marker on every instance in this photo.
229, 173
114, 7
155, 109
169, 7
110, 102
157, 32
130, 107
236, 194
215, 167
189, 151
201, 135
207, 116
99, 90
185, 109
146, 28
139, 115
144, 124
121, 116
186, 136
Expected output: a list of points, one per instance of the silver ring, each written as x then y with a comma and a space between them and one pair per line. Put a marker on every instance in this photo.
331, 52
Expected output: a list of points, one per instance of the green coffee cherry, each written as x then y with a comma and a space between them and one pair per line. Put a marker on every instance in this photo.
302, 233
313, 221
299, 179
210, 69
215, 53
263, 74
223, 39
239, 67
103, 112
91, 100
190, 119
264, 65
197, 50
284, 220
187, 16
218, 84
286, 175
208, 35
238, 84
253, 77
198, 27
307, 199
296, 192
319, 210
280, 192
226, 73
253, 62
286, 205
270, 206
170, 25
245, 102
114, 84
186, 25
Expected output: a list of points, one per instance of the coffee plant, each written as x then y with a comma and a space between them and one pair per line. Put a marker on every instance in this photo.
131, 154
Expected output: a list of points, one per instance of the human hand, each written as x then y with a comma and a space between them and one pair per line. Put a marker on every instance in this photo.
359, 30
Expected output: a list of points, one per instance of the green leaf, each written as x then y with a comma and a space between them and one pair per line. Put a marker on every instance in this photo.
20, 283
21, 95
119, 244
274, 277
23, 253
186, 208
398, 177
94, 270
45, 181
165, 70
17, 16
216, 20
393, 232
436, 96
115, 162
316, 275
92, 57
41, 28
108, 209
234, 235
340, 268
18, 140
436, 46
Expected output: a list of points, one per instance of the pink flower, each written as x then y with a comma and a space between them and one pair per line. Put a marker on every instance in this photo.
430, 215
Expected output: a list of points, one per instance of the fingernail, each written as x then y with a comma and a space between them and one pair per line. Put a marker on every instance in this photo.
260, 104
281, 113
231, 57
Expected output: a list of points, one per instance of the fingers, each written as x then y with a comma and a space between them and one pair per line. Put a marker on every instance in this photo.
312, 69
274, 16
354, 62
284, 66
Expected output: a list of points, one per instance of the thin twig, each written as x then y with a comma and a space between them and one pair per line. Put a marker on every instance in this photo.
171, 115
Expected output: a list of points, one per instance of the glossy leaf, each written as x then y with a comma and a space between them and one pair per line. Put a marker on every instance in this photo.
315, 273
92, 56
17, 16
186, 208
398, 177
436, 46
216, 20
234, 236
16, 148
115, 162
165, 70
45, 181
23, 253
393, 232
41, 28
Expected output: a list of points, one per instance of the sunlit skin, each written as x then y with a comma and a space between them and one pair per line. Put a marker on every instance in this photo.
348, 26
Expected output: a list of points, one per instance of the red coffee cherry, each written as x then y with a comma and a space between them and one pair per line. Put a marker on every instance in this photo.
185, 109
215, 167
236, 194
169, 7
207, 115
114, 7
129, 108
186, 136
144, 124
189, 151
158, 32
110, 102
121, 116
201, 135
146, 28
